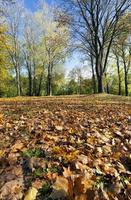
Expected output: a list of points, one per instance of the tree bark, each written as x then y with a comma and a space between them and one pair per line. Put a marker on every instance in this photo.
107, 84
30, 84
119, 76
125, 72
18, 81
49, 81
29, 79
49, 86
100, 84
93, 75
126, 84
94, 83
39, 86
107, 88
34, 79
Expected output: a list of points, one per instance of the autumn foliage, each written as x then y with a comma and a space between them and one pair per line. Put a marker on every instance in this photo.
72, 148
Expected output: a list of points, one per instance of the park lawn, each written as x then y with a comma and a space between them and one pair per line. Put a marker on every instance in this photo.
66, 147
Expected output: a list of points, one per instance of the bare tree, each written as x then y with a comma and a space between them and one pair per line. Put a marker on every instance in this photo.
94, 23
3, 4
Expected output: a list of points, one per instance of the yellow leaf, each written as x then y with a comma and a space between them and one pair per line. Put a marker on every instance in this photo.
1, 153
31, 194
88, 184
91, 140
8, 125
1, 118
72, 131
116, 155
56, 149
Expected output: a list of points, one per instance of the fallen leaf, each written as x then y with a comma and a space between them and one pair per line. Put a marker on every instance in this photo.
2, 153
17, 146
12, 190
59, 128
31, 194
61, 184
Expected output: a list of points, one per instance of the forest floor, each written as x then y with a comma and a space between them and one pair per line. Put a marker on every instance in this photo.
72, 147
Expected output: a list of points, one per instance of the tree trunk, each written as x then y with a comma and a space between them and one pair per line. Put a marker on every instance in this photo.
40, 84
107, 84
30, 81
107, 88
49, 85
80, 85
49, 81
34, 79
34, 86
94, 83
126, 77
30, 84
99, 74
126, 84
18, 81
93, 75
119, 76
100, 84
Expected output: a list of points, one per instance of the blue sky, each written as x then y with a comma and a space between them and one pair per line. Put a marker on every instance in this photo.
32, 4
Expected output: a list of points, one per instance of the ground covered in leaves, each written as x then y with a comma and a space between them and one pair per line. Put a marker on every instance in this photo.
67, 148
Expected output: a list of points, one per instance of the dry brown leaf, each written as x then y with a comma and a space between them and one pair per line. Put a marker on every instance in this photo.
81, 197
78, 186
61, 184
17, 146
37, 184
67, 172
12, 190
82, 158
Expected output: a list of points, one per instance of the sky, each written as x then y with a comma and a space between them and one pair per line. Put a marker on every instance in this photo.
75, 59
32, 4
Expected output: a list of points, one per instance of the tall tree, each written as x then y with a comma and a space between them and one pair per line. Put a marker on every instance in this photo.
122, 49
54, 42
4, 59
13, 19
95, 25
31, 52
55, 45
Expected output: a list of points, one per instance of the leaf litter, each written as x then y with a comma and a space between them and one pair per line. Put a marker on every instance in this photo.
70, 148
